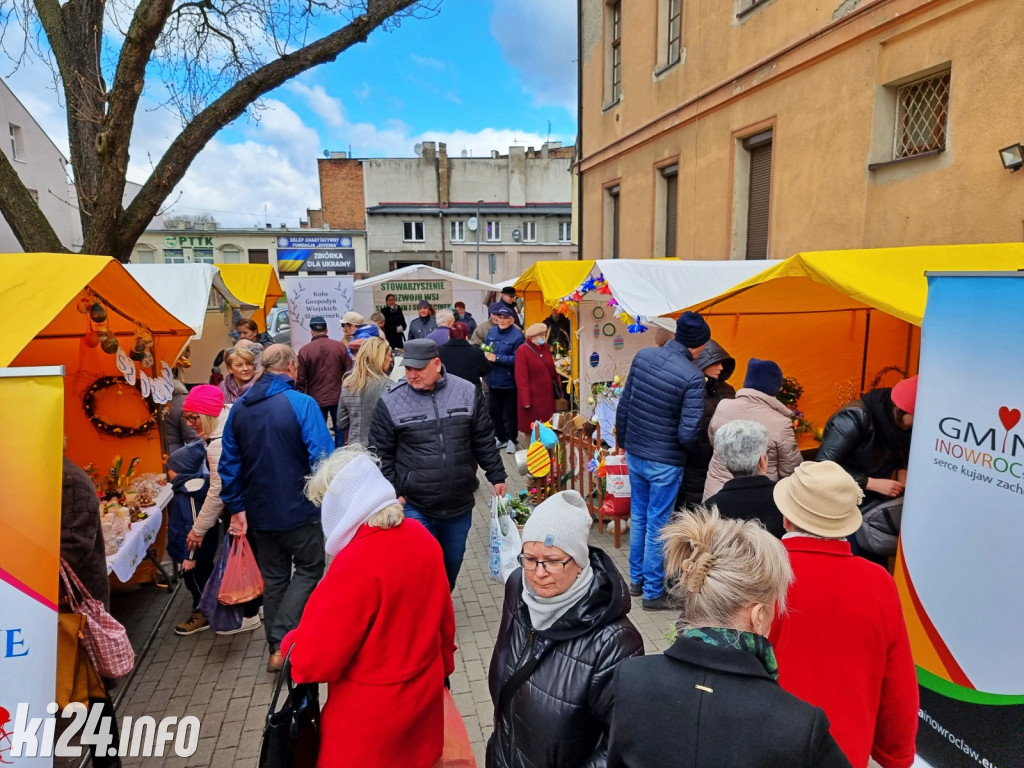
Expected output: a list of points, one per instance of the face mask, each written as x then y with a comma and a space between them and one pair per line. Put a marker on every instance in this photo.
540, 341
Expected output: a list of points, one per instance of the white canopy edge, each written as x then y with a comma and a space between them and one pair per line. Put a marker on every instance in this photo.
184, 290
398, 274
652, 288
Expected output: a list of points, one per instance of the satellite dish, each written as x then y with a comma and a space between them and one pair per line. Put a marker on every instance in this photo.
418, 149
471, 224
516, 235
327, 153
465, 153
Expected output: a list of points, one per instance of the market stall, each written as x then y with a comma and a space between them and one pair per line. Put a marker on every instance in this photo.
115, 342
198, 295
255, 284
840, 322
416, 282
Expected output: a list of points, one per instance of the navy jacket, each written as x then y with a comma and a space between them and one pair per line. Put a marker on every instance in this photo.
272, 438
660, 409
505, 344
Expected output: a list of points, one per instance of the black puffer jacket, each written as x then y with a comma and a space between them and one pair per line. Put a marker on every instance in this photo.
863, 438
430, 443
661, 406
559, 717
715, 389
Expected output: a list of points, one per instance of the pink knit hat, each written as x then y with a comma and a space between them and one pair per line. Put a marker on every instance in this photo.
205, 399
904, 395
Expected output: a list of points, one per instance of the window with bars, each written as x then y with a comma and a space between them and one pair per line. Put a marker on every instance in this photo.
675, 30
616, 51
922, 109
670, 175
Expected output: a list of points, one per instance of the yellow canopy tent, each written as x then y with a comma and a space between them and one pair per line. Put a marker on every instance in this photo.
841, 322
42, 291
543, 284
254, 284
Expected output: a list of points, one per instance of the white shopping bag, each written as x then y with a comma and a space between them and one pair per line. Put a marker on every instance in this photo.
505, 544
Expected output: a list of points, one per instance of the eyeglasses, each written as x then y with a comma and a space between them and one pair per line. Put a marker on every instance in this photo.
192, 418
551, 566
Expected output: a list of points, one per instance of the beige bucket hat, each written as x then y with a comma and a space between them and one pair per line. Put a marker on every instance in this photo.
821, 498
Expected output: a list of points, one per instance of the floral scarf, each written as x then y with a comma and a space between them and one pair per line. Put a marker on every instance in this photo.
232, 389
748, 642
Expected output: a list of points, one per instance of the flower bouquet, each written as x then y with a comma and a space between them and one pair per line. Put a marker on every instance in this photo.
519, 509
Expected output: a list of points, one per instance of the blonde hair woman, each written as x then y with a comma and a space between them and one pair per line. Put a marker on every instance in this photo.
714, 696
241, 365
362, 388
382, 643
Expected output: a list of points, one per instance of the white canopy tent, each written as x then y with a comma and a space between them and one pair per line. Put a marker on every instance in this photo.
184, 290
473, 292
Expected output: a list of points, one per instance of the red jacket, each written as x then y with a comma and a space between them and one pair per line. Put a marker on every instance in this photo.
536, 380
322, 365
843, 646
380, 631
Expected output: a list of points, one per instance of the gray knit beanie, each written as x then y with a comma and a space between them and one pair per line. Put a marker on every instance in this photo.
562, 521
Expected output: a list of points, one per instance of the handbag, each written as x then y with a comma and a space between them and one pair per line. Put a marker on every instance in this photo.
104, 637
77, 679
291, 737
879, 533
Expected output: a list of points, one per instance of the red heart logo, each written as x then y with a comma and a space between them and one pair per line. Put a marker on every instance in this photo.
1009, 417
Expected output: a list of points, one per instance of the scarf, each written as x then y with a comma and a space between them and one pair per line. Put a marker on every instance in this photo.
355, 494
233, 390
545, 611
748, 642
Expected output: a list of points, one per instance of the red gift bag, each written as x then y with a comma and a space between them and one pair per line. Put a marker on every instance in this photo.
242, 580
617, 497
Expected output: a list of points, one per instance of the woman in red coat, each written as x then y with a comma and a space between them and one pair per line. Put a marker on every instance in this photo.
537, 383
379, 629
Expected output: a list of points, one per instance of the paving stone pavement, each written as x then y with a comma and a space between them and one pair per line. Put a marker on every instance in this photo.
223, 681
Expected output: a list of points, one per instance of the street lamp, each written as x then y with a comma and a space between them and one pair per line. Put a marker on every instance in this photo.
477, 228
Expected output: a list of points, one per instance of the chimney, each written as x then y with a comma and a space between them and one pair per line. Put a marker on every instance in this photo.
429, 152
269, 225
339, 155
516, 176
442, 174
494, 154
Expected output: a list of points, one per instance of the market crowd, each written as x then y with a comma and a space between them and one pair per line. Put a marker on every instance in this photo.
790, 647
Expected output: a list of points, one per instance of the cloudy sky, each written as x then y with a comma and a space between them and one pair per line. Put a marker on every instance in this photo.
480, 75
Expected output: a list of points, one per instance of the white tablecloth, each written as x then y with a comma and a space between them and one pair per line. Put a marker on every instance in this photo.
139, 537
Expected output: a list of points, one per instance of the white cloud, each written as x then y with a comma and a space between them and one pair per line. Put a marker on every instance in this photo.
544, 50
362, 92
427, 62
327, 107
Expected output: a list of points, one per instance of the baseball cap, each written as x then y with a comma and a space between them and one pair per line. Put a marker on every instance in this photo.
317, 324
419, 353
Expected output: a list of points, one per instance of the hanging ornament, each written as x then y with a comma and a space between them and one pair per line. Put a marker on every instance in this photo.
92, 339
612, 303
139, 350
84, 304
98, 313
595, 360
618, 343
624, 318
605, 289
148, 361
637, 327
109, 344
597, 330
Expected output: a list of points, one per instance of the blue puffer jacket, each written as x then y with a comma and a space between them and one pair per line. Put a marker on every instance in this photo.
659, 413
272, 438
504, 343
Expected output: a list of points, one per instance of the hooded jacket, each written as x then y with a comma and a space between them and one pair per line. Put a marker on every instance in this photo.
188, 463
430, 443
783, 453
862, 438
715, 390
560, 715
272, 438
420, 327
661, 405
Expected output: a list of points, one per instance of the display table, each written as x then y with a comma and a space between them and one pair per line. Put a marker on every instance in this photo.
139, 538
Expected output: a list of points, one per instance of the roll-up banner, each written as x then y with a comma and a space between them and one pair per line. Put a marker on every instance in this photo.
960, 572
32, 415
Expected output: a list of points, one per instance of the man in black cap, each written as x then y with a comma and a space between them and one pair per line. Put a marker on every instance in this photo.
431, 430
508, 295
322, 365
656, 426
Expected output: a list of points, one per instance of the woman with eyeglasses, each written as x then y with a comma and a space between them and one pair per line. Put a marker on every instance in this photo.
241, 365
563, 631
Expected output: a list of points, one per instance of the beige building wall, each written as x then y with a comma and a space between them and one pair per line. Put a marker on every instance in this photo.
824, 81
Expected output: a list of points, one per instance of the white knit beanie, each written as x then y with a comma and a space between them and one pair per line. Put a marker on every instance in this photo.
562, 521
357, 492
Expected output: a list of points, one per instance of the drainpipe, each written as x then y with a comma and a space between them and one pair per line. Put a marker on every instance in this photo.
579, 129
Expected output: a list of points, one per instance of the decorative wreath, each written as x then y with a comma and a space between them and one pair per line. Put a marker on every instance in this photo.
116, 430
598, 313
608, 330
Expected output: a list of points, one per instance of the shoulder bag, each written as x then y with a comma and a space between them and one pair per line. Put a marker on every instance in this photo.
291, 737
104, 637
